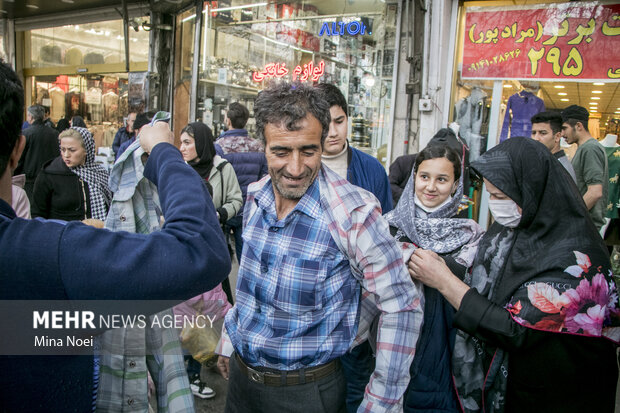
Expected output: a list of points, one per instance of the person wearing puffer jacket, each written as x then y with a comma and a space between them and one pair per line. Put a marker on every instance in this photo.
247, 156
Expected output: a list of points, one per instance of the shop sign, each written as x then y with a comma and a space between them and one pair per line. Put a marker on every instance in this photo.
340, 28
278, 70
562, 41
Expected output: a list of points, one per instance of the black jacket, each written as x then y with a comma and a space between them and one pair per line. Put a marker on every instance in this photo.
547, 372
400, 171
41, 146
60, 194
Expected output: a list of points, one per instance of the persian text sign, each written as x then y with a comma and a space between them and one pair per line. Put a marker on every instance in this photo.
563, 41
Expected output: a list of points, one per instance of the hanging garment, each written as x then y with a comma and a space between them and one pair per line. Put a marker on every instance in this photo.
613, 163
471, 113
135, 208
519, 111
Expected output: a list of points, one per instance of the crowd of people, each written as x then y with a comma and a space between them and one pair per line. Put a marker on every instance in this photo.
356, 292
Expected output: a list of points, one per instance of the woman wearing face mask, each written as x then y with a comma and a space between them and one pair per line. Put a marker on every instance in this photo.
72, 186
198, 151
424, 216
540, 321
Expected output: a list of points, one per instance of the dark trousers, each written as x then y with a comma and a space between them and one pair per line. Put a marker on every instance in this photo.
323, 396
235, 224
357, 366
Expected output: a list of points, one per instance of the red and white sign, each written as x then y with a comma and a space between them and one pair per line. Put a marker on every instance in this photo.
561, 41
278, 70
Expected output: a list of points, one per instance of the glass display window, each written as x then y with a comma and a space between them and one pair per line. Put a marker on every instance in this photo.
82, 45
514, 61
101, 100
246, 46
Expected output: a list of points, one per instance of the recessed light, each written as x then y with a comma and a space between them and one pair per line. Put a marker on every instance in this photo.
598, 84
508, 86
592, 110
593, 103
595, 98
559, 86
597, 91
67, 1
562, 94
564, 100
32, 6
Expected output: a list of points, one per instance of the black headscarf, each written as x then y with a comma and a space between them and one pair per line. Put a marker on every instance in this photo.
552, 272
205, 149
78, 121
555, 221
62, 125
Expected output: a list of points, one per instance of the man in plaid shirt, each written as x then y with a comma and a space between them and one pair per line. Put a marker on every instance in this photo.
313, 246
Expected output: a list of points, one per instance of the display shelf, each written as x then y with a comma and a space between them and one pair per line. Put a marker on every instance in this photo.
213, 82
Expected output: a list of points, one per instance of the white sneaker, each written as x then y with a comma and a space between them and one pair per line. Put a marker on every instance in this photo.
200, 389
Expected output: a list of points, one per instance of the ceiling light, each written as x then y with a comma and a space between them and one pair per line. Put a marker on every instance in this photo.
598, 84
32, 6
564, 100
508, 86
595, 98
562, 94
67, 1
559, 86
597, 91
592, 110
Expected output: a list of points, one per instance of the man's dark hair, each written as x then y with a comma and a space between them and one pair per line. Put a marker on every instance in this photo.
574, 114
47, 110
572, 122
141, 120
37, 112
554, 120
285, 104
333, 96
238, 115
11, 113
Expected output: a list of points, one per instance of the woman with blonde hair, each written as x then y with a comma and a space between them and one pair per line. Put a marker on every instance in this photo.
72, 186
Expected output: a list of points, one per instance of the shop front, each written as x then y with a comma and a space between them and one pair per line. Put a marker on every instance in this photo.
243, 47
515, 61
80, 69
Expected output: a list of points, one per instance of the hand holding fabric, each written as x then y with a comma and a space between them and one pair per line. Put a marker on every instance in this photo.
153, 135
430, 269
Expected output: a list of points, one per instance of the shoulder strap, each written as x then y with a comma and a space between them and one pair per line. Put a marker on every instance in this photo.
219, 167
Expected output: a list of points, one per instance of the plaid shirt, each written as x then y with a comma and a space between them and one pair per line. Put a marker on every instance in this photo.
122, 381
299, 284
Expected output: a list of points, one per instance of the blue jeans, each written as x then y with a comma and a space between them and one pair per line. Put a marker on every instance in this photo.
323, 396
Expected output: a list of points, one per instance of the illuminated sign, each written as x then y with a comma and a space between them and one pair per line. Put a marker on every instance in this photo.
340, 28
278, 70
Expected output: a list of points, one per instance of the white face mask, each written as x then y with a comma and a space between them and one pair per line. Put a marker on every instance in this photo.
505, 211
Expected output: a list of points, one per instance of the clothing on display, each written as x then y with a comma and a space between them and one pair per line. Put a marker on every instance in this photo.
612, 149
57, 109
471, 113
594, 128
73, 56
519, 111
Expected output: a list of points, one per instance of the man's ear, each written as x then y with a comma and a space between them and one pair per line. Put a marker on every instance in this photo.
17, 152
557, 137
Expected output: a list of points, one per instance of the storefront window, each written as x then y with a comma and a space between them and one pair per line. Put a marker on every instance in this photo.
246, 46
516, 61
79, 70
